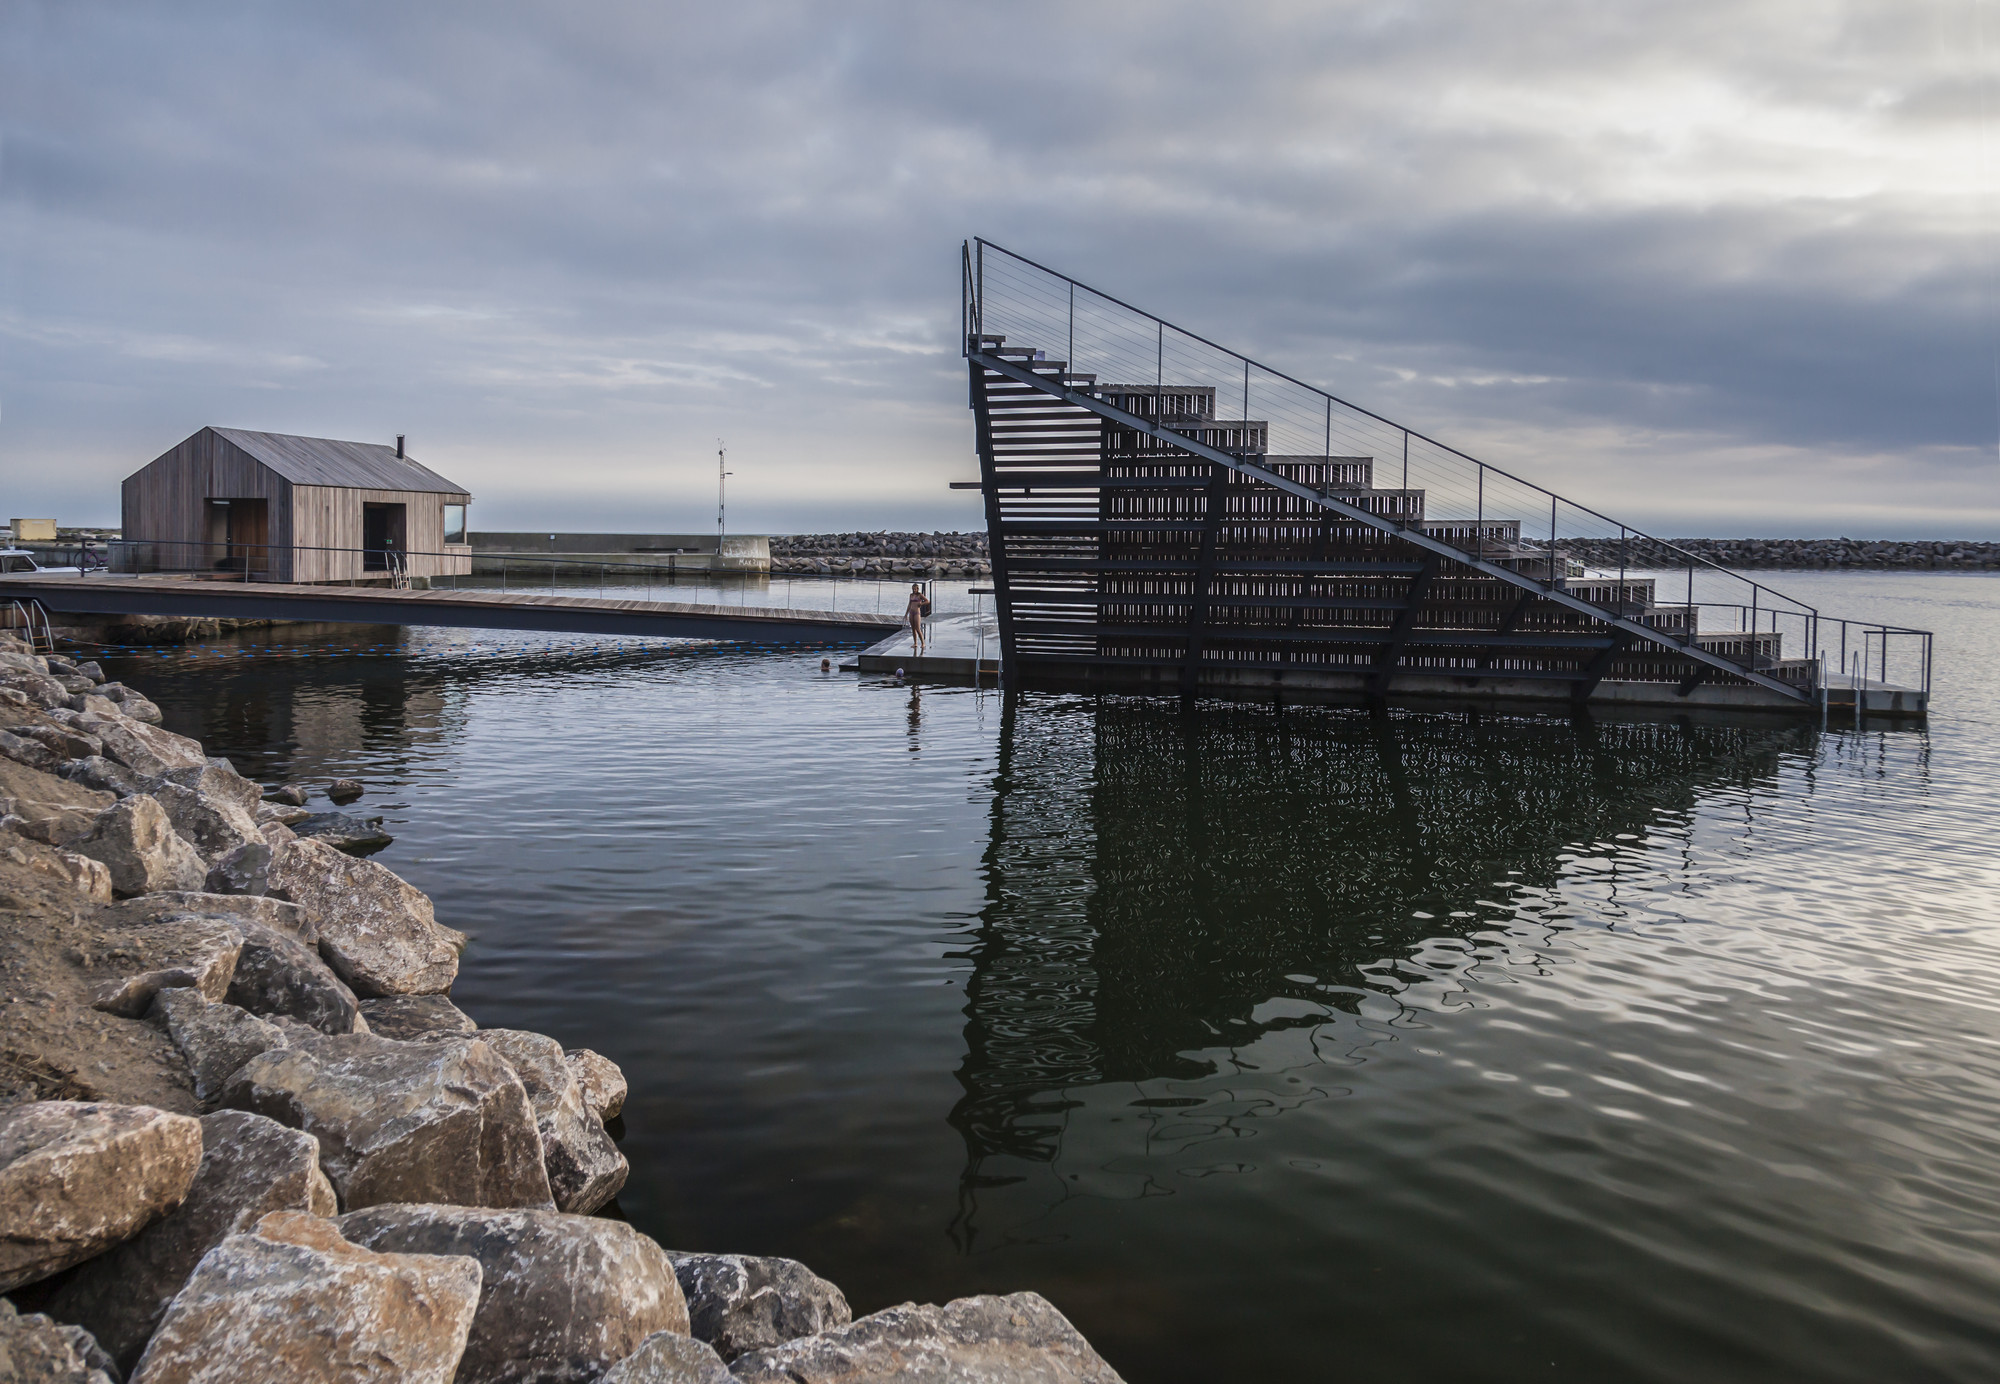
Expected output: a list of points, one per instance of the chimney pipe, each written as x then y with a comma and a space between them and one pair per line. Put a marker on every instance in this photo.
399, 446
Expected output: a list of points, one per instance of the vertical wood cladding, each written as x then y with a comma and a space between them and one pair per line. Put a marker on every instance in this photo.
166, 517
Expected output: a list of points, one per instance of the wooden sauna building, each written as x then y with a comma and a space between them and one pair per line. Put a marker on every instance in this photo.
273, 507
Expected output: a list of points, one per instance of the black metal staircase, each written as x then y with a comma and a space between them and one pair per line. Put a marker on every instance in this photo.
1143, 541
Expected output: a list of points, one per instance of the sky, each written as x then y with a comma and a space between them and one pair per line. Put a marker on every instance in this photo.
1724, 267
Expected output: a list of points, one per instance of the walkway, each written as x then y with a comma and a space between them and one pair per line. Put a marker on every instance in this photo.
102, 594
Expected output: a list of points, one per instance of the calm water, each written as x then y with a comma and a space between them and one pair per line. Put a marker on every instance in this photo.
1267, 1044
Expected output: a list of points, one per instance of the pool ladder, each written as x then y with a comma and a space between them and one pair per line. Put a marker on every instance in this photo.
22, 615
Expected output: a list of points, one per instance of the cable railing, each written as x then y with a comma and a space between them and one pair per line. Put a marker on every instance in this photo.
467, 569
1492, 514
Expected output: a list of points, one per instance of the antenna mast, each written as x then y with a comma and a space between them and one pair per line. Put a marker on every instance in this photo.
721, 479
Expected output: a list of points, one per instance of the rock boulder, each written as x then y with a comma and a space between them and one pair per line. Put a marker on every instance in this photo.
585, 1168
250, 1167
293, 1301
741, 1303
411, 1017
31, 753
600, 1080
344, 831
200, 953
35, 1350
95, 771
244, 870
77, 1177
216, 1039
564, 1297
139, 846
277, 974
667, 1357
213, 824
142, 748
377, 932
443, 1121
1017, 1339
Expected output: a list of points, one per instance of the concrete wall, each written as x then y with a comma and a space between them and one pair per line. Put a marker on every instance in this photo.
746, 552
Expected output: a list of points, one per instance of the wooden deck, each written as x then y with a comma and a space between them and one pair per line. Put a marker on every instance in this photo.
101, 594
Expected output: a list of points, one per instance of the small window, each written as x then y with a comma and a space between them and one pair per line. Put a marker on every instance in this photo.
454, 523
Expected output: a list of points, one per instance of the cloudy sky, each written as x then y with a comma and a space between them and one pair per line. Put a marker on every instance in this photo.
1721, 266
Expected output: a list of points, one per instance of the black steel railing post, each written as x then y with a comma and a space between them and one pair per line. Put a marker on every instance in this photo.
1693, 620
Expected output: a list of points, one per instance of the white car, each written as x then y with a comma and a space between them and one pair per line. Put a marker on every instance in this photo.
15, 562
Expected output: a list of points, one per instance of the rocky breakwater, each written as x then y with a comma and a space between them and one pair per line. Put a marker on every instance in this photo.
1796, 554
245, 1133
882, 554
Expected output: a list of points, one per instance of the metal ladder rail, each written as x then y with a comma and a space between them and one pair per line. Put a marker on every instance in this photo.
1547, 590
25, 613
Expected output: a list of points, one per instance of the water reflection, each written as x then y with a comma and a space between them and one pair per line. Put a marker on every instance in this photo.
1165, 892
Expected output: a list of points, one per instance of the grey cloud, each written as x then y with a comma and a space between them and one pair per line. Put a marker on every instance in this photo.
601, 236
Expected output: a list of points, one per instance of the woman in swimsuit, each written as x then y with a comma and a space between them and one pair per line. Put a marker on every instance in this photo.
915, 611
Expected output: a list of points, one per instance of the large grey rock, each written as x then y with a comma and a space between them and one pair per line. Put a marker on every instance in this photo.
95, 771
32, 753
1017, 1339
216, 1039
213, 824
66, 743
344, 831
667, 1357
18, 660
243, 870
741, 1303
130, 703
377, 932
200, 953
442, 1121
411, 1017
36, 1350
600, 1080
41, 689
250, 1167
77, 1177
277, 974
345, 790
218, 779
585, 1168
290, 794
564, 1297
287, 918
293, 1301
143, 748
139, 845
90, 702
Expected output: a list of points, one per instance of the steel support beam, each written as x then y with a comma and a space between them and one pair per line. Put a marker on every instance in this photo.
1399, 632
1204, 577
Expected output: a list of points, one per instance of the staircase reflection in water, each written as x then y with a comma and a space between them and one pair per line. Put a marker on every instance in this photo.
1166, 892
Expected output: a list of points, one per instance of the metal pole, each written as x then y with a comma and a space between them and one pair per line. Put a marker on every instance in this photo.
1694, 621
1479, 522
1552, 540
1159, 368
1069, 354
1406, 447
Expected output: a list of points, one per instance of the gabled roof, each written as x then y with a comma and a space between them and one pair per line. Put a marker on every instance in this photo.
324, 461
